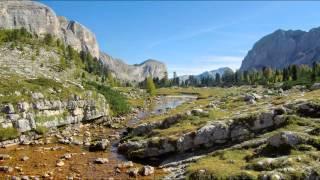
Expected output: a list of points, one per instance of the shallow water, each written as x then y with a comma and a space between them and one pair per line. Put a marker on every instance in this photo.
162, 105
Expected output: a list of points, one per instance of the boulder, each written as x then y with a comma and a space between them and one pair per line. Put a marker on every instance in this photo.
309, 109
100, 145
217, 132
23, 125
286, 138
23, 106
8, 109
248, 97
264, 120
239, 133
315, 86
185, 142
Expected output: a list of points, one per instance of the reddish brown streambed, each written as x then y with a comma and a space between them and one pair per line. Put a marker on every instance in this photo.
43, 159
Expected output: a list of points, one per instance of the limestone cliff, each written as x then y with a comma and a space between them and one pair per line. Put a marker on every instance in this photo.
283, 48
136, 72
40, 19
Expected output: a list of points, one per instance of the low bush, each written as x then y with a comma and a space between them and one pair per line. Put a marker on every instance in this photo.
41, 130
8, 133
118, 103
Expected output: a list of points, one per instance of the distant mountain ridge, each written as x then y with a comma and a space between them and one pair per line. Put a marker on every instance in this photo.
206, 74
38, 18
283, 48
137, 72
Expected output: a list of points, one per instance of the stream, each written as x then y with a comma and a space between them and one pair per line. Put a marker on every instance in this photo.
162, 105
43, 157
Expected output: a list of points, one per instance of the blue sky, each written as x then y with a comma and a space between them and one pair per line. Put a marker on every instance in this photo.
190, 37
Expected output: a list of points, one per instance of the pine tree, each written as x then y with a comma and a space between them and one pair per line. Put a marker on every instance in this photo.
48, 39
151, 88
294, 71
218, 79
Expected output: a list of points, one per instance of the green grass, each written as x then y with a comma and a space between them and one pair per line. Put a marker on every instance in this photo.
41, 130
43, 118
119, 104
222, 165
8, 133
12, 83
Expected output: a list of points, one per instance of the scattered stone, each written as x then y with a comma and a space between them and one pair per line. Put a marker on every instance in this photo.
118, 170
197, 111
25, 158
25, 178
60, 163
133, 172
99, 145
6, 169
146, 170
19, 169
125, 164
5, 156
67, 156
101, 160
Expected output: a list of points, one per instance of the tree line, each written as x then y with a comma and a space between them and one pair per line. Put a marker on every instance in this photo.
289, 76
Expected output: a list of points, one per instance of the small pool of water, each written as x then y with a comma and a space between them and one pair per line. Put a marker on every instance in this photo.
162, 105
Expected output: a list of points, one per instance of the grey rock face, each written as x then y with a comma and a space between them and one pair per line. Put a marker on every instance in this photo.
213, 134
283, 48
137, 72
23, 125
285, 138
40, 19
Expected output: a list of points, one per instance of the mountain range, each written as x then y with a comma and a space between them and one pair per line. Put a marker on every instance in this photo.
38, 18
206, 74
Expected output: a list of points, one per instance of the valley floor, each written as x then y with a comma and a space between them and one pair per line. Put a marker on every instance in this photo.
196, 133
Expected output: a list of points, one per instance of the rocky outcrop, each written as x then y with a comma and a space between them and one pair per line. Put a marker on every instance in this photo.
213, 134
137, 72
283, 48
42, 112
40, 19
286, 138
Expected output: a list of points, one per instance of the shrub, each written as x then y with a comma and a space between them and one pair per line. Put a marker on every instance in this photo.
8, 133
41, 130
151, 88
118, 103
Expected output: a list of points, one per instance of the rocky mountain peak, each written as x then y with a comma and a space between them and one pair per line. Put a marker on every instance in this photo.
283, 48
41, 19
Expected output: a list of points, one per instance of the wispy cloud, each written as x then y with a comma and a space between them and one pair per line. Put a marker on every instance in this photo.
188, 35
